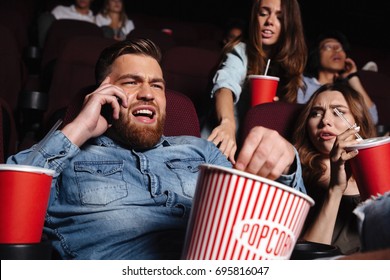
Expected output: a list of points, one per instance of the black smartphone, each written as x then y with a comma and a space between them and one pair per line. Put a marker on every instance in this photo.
107, 111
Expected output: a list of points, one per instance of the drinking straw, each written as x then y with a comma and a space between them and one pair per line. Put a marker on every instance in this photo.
347, 122
41, 143
266, 68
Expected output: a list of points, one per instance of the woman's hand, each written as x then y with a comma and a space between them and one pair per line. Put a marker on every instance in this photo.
338, 156
224, 137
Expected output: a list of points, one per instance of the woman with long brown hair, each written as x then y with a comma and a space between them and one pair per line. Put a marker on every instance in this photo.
321, 138
113, 20
275, 34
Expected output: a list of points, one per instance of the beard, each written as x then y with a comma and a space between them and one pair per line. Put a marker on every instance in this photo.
137, 136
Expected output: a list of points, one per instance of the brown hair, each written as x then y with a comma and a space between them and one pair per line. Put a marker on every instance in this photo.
288, 58
123, 16
138, 46
310, 158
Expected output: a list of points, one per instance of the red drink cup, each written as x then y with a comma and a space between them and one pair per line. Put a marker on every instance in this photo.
24, 196
262, 88
167, 31
240, 216
371, 166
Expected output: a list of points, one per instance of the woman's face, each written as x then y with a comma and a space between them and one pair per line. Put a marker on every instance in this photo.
323, 124
269, 18
332, 55
114, 6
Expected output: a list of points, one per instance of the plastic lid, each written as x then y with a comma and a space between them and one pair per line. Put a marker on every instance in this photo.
369, 143
26, 168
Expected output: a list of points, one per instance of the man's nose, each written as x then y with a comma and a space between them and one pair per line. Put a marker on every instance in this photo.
145, 92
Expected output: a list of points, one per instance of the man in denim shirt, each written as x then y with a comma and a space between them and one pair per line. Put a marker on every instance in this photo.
123, 190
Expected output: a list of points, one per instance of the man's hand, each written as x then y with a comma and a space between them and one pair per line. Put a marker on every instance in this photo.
90, 123
265, 153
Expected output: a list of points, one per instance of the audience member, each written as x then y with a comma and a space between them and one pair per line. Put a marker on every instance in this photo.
275, 33
373, 222
80, 10
321, 137
234, 29
328, 62
113, 20
124, 190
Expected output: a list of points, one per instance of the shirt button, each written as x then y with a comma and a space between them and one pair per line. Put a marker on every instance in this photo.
99, 171
62, 153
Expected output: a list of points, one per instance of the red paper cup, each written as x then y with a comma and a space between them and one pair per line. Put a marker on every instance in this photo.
24, 196
167, 31
371, 166
240, 216
262, 88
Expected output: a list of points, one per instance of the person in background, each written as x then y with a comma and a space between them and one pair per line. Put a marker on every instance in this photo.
124, 190
373, 222
113, 20
80, 10
321, 138
275, 33
328, 61
234, 29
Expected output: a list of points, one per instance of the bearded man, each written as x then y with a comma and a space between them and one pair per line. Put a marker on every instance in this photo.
123, 190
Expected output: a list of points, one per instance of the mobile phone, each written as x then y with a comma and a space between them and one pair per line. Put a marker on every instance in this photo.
107, 111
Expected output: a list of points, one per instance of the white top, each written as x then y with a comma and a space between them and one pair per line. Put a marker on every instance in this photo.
70, 12
106, 20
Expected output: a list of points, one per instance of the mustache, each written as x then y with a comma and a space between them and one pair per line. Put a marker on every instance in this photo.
144, 103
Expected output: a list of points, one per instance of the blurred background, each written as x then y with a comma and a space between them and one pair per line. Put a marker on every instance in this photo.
364, 22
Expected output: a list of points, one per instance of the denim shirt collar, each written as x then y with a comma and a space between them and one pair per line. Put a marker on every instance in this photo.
108, 142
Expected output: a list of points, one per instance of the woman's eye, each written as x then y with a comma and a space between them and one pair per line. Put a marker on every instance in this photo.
341, 112
263, 13
315, 114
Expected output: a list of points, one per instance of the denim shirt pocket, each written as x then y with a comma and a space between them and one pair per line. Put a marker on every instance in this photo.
100, 182
187, 171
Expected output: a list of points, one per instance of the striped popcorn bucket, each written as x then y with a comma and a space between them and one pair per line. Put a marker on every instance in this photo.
240, 216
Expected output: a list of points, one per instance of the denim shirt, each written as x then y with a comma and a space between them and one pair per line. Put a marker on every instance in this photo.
233, 72
109, 202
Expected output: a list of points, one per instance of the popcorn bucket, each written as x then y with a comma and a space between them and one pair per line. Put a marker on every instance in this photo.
240, 216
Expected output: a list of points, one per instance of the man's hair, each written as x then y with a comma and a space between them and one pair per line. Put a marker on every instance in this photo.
313, 65
139, 46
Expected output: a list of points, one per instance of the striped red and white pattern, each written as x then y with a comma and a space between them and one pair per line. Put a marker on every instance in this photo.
237, 217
